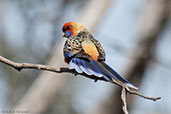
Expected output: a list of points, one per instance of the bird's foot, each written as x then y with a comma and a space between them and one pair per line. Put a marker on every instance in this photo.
75, 74
95, 80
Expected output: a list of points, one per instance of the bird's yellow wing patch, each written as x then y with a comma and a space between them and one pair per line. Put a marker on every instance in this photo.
90, 49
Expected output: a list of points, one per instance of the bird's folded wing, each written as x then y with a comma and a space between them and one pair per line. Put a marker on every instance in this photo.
90, 49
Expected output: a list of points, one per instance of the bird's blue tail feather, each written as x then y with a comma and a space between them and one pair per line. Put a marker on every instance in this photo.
99, 69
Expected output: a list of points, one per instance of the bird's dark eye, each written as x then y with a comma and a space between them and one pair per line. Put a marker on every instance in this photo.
68, 27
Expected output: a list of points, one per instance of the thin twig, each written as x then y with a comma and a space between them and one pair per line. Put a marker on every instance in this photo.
20, 66
143, 96
123, 98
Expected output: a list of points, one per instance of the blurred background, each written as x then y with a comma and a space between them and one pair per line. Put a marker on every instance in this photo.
136, 35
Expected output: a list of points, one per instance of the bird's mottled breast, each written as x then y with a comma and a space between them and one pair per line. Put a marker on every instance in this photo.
72, 46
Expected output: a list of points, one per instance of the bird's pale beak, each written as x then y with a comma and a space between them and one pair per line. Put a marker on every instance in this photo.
63, 35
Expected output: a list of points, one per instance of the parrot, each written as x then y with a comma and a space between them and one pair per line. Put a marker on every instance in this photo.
83, 53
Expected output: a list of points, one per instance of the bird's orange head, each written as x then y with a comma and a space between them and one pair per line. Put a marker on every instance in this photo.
71, 29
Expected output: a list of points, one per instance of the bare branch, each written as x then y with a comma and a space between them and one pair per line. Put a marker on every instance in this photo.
125, 89
20, 66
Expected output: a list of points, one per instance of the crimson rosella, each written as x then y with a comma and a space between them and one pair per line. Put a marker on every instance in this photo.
85, 54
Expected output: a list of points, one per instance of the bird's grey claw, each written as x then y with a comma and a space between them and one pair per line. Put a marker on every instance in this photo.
75, 74
95, 80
